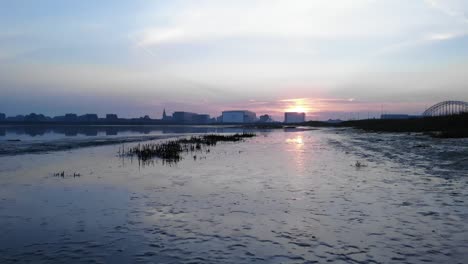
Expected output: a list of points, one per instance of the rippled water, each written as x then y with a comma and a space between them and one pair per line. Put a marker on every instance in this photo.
282, 197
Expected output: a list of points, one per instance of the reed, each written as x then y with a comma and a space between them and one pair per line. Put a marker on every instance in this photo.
171, 151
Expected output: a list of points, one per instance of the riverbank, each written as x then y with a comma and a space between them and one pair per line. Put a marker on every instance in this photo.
455, 126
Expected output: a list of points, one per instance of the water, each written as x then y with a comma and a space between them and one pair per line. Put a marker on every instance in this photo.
31, 139
282, 197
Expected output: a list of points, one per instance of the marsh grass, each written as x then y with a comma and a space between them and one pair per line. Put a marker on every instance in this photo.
173, 150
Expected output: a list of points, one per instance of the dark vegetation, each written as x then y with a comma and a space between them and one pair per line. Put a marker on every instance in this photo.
454, 126
63, 175
172, 151
264, 126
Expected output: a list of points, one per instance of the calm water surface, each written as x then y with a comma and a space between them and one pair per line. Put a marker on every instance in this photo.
282, 197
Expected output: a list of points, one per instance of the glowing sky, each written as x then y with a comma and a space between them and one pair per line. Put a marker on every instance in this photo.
333, 59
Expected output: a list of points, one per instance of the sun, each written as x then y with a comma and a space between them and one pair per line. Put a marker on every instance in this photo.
298, 109
298, 105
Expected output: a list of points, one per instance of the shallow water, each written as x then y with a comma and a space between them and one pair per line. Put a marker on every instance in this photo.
282, 197
55, 132
15, 140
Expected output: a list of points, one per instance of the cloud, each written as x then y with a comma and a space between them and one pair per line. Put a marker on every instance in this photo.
415, 42
308, 25
275, 18
446, 36
161, 35
451, 8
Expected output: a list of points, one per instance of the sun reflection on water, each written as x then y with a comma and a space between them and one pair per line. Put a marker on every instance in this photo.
298, 140
296, 148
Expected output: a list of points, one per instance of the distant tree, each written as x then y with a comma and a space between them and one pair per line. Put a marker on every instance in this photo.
265, 119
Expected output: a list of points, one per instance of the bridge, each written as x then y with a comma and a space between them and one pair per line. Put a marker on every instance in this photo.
447, 108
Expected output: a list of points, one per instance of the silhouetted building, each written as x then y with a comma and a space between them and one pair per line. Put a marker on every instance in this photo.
71, 117
294, 117
111, 117
2, 116
15, 118
33, 117
165, 117
190, 118
183, 117
67, 117
88, 118
202, 119
239, 116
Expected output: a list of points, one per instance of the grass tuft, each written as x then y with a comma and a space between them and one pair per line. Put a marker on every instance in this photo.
171, 151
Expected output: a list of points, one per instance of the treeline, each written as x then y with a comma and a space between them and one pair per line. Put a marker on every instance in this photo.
454, 126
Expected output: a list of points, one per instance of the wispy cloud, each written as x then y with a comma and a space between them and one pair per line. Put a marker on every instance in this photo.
446, 36
419, 41
275, 18
451, 8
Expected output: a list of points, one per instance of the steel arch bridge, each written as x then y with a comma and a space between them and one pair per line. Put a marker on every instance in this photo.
447, 108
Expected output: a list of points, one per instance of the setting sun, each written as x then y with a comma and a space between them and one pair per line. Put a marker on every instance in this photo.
298, 109
300, 105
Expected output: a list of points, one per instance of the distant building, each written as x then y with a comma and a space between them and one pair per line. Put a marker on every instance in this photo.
202, 119
70, 117
183, 117
2, 116
16, 118
239, 116
88, 118
165, 117
294, 117
190, 118
33, 117
111, 117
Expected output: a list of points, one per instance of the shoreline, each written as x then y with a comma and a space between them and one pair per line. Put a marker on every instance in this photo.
455, 126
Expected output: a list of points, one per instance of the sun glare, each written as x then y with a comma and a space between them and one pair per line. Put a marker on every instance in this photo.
298, 109
297, 105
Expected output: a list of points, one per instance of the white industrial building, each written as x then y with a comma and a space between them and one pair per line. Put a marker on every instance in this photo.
239, 116
294, 117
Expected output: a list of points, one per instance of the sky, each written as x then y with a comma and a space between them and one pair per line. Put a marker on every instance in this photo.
331, 58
